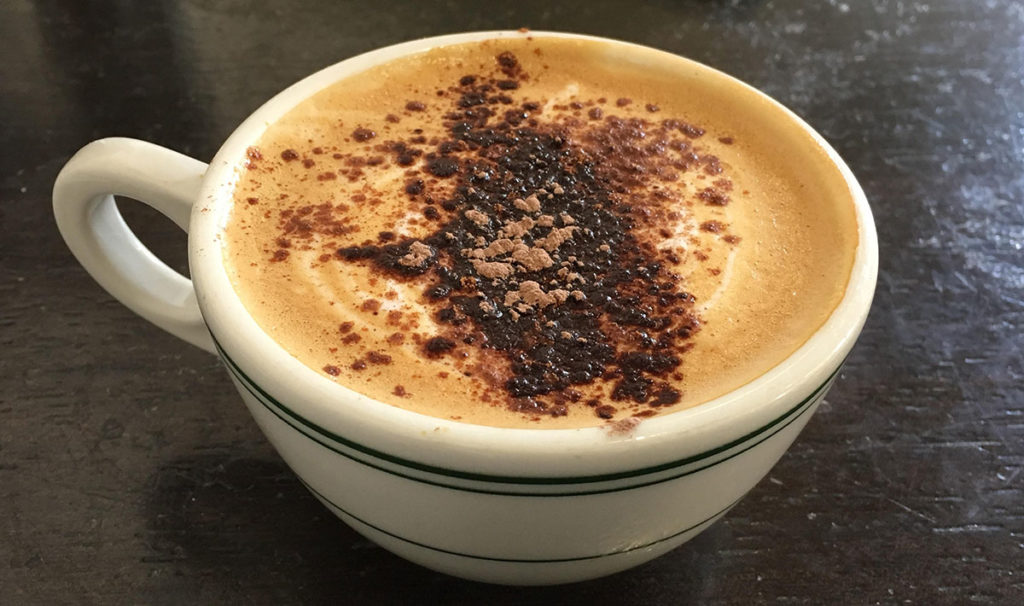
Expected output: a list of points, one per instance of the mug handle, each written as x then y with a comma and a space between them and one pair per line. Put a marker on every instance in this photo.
92, 227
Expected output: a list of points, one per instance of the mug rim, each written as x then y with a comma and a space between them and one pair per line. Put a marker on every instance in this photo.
432, 446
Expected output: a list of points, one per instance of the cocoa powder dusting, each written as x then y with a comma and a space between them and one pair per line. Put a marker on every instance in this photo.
534, 252
713, 196
375, 357
363, 134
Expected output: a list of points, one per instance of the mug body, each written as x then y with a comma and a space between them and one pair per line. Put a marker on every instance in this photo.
521, 530
515, 506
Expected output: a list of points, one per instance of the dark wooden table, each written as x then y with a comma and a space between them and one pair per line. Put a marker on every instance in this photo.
131, 473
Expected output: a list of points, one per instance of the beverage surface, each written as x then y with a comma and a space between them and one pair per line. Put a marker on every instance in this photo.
538, 233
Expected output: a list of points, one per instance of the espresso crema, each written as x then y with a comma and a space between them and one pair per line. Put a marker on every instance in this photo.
539, 232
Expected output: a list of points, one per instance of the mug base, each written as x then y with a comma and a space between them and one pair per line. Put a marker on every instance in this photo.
502, 571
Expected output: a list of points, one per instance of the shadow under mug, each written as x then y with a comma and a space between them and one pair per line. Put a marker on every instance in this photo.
515, 506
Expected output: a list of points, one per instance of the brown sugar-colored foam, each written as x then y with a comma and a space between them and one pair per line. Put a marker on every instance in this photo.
487, 233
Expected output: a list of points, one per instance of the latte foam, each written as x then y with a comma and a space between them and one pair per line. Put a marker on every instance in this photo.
542, 233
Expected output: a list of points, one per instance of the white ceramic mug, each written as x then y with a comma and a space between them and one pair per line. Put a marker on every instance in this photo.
518, 506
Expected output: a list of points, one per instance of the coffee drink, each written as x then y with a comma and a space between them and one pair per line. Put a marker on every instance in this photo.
540, 233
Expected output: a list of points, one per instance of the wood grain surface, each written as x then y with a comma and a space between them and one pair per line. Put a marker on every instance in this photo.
130, 472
